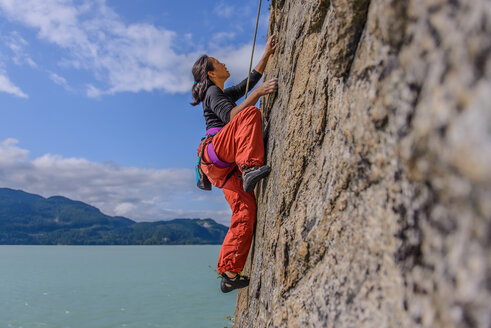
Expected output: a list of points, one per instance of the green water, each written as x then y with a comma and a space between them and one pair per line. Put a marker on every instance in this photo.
112, 286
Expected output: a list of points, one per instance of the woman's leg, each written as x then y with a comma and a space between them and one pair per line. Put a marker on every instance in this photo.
241, 140
237, 243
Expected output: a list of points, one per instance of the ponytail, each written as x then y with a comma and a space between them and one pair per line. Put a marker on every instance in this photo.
201, 80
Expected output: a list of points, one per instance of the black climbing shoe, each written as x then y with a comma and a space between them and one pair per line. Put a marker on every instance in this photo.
252, 175
228, 284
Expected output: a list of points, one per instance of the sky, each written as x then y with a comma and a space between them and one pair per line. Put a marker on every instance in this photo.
95, 99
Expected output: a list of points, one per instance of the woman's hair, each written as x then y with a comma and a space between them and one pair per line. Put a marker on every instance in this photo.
202, 82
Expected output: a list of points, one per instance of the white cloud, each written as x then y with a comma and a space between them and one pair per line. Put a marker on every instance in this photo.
10, 154
30, 62
222, 37
122, 57
134, 57
17, 45
7, 86
140, 194
238, 60
124, 209
60, 80
93, 92
224, 10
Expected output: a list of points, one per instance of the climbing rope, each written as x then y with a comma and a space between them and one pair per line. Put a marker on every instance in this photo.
253, 45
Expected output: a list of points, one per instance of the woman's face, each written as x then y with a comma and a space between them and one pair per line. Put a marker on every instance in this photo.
220, 71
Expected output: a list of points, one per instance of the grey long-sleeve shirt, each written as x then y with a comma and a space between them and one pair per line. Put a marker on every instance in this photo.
218, 104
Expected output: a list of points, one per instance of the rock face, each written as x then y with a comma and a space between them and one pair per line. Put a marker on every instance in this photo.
377, 212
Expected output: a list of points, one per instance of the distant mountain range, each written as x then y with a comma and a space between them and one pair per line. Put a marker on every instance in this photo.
28, 219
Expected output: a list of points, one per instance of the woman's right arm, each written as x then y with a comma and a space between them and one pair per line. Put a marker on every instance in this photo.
264, 89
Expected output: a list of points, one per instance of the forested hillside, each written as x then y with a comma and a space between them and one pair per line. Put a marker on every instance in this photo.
30, 219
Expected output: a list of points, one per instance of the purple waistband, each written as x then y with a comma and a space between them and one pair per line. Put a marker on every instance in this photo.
211, 152
213, 130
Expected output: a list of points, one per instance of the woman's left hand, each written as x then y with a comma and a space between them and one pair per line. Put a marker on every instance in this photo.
270, 45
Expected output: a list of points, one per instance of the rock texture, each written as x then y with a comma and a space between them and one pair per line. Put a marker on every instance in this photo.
377, 212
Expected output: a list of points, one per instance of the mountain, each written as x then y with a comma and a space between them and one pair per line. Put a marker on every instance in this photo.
34, 220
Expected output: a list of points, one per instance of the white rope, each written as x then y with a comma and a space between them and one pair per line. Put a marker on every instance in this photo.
253, 45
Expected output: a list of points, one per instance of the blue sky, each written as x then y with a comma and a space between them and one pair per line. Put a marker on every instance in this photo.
94, 99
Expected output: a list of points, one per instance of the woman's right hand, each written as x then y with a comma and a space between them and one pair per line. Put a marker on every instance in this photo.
268, 87
264, 89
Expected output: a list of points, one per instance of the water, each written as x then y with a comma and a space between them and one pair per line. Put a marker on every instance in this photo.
112, 286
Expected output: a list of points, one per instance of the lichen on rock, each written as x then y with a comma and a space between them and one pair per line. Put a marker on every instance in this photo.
377, 212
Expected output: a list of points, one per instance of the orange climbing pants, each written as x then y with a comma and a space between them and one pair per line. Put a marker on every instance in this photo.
240, 142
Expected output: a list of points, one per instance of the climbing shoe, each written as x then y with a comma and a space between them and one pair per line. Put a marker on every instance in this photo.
252, 175
228, 284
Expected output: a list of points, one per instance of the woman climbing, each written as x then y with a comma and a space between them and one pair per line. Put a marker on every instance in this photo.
233, 153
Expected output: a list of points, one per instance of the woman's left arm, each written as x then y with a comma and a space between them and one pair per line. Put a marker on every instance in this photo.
237, 91
270, 48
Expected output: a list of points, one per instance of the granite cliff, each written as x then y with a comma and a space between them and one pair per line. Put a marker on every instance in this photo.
377, 212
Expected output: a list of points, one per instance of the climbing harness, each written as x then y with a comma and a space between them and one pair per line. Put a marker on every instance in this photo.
253, 45
202, 180
211, 151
